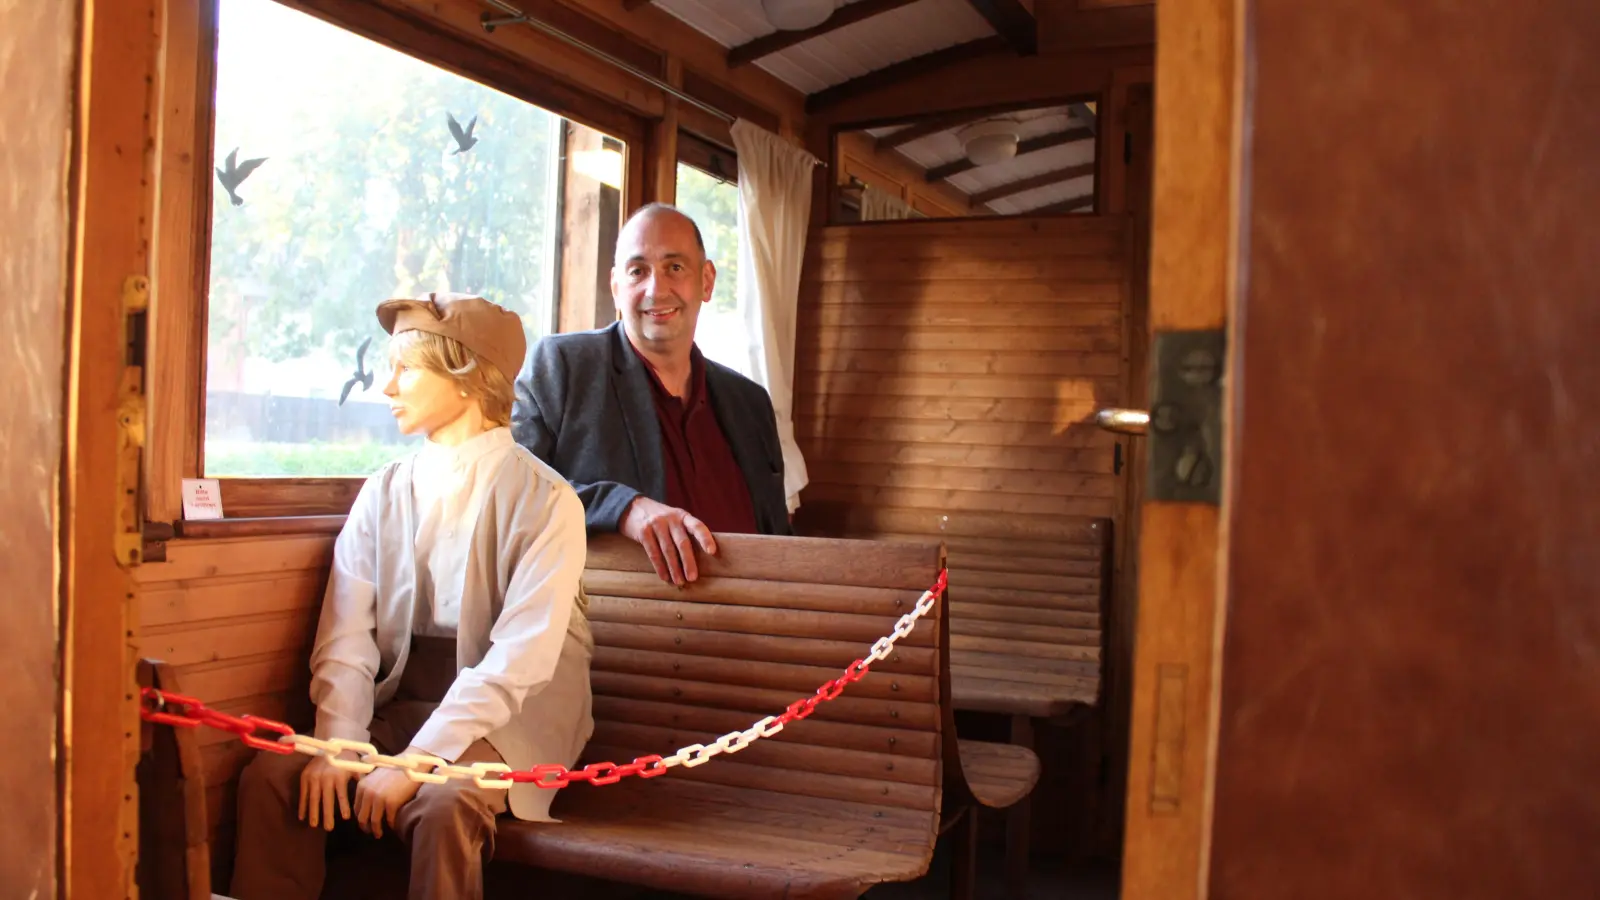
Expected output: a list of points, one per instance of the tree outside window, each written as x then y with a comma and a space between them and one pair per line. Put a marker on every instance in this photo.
347, 173
714, 206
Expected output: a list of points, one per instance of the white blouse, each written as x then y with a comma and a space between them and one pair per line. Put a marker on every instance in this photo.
484, 542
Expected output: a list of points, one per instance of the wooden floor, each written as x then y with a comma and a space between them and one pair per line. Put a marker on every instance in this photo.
387, 882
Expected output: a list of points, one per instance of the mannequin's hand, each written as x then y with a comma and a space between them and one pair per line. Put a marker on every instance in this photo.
379, 796
664, 533
321, 785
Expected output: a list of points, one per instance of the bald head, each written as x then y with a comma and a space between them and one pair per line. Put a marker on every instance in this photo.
652, 213
660, 278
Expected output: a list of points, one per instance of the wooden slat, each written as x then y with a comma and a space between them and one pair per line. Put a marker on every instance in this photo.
972, 302
182, 645
867, 269
811, 403
1106, 245
1087, 394
1060, 618
960, 501
994, 434
747, 620
891, 741
798, 680
1006, 227
1026, 632
858, 519
227, 680
734, 772
1023, 648
753, 593
1040, 337
765, 648
999, 774
835, 451
1020, 362
170, 604
781, 559
759, 702
791, 756
187, 560
1053, 484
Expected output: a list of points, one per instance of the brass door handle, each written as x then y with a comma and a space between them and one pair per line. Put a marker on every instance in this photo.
1124, 421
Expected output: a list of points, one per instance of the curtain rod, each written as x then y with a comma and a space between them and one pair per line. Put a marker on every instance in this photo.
516, 16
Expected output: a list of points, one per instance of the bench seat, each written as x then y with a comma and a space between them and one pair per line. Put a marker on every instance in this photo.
671, 833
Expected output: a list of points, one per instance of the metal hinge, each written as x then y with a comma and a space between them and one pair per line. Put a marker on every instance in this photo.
1185, 427
129, 537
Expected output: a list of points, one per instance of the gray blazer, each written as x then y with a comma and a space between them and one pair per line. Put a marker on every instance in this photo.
583, 405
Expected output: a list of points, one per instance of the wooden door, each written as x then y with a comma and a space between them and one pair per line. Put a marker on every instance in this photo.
1408, 697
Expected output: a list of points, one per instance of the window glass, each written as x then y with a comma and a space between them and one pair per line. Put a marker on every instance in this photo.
347, 173
714, 205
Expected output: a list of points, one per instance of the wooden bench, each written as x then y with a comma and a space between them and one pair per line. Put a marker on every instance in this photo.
855, 795
1026, 642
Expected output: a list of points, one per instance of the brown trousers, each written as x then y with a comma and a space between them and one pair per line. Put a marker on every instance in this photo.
449, 828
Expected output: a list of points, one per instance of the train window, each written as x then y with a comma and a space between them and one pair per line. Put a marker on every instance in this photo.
708, 191
347, 173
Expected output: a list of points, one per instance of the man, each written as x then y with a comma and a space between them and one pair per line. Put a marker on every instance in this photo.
661, 443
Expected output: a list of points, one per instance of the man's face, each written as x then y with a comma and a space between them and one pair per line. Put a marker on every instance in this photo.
660, 280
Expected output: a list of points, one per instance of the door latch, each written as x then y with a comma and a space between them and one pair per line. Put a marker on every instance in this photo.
1185, 427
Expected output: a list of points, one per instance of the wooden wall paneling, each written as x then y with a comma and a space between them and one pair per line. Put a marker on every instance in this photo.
113, 199
1192, 246
236, 618
1411, 684
946, 374
36, 66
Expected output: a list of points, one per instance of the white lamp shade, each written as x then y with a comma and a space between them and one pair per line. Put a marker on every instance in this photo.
990, 142
797, 15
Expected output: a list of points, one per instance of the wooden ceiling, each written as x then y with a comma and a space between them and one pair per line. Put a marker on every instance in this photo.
867, 45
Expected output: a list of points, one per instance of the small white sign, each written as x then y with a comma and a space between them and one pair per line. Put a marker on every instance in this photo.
202, 499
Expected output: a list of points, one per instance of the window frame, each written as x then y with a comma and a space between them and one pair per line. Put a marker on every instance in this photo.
183, 247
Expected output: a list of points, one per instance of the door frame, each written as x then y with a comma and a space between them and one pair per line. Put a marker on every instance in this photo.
1199, 97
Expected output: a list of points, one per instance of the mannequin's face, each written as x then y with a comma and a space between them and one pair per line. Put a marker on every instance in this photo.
422, 401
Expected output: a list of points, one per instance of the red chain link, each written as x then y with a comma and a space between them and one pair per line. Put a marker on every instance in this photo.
156, 707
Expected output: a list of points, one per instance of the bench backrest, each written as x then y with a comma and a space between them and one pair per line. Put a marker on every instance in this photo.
1029, 627
770, 620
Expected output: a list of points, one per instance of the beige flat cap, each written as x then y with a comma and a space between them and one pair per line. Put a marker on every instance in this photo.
487, 329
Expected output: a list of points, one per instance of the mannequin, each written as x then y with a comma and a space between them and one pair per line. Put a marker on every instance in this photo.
453, 626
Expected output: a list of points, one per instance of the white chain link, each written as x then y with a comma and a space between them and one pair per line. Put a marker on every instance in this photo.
416, 765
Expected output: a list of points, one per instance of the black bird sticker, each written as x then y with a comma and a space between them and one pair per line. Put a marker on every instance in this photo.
464, 139
233, 173
362, 376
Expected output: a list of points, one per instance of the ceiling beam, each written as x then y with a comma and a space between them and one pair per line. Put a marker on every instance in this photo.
1037, 181
1031, 145
906, 70
1012, 21
1073, 205
920, 130
766, 45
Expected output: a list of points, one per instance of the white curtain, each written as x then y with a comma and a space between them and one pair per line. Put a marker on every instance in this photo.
774, 212
878, 206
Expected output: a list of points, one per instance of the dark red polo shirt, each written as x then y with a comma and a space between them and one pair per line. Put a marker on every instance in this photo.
702, 475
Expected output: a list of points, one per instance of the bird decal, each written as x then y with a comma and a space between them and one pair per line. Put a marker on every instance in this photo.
362, 376
233, 173
464, 139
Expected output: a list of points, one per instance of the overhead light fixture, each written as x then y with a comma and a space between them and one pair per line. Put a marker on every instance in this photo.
990, 141
797, 15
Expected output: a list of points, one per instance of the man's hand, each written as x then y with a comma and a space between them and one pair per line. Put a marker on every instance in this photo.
380, 794
664, 533
321, 785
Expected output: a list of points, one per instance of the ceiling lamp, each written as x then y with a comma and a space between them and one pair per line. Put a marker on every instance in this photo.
989, 142
797, 15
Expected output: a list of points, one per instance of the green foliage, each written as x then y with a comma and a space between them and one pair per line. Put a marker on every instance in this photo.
314, 459
360, 198
714, 206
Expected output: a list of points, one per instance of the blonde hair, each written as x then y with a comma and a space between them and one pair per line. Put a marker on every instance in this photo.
446, 356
